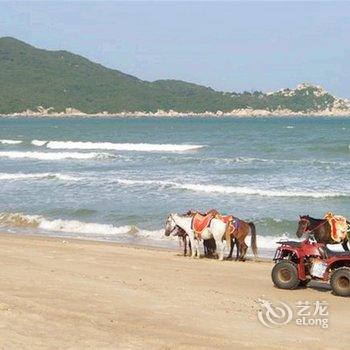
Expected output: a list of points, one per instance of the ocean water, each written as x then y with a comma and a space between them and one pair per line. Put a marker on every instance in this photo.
118, 179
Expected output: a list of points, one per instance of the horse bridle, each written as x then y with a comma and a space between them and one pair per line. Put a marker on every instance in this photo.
306, 230
172, 219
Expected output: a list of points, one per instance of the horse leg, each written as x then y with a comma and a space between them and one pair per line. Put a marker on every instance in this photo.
196, 248
220, 245
206, 249
184, 239
238, 252
193, 245
231, 249
244, 249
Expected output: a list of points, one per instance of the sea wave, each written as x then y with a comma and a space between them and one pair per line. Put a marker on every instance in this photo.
242, 160
79, 229
306, 162
209, 188
37, 176
10, 142
76, 227
19, 220
38, 143
55, 155
139, 147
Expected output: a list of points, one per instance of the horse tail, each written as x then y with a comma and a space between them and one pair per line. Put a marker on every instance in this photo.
253, 239
228, 236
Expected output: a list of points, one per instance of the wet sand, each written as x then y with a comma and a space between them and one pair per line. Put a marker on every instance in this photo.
71, 294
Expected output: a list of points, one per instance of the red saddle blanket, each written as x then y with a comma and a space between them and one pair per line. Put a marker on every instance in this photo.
200, 222
226, 218
339, 226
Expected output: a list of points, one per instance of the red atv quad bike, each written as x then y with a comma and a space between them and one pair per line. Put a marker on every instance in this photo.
297, 263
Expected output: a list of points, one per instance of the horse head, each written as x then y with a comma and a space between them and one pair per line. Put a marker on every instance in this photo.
303, 225
170, 225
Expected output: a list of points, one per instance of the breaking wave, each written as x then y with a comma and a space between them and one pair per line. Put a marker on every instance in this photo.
139, 147
55, 156
10, 142
232, 189
38, 143
75, 227
37, 176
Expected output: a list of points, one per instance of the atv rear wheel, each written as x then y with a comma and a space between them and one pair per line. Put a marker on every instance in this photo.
340, 282
285, 275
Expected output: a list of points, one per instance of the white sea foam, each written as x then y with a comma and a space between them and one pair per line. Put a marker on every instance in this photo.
139, 147
76, 227
38, 143
98, 229
10, 142
55, 155
36, 176
232, 189
268, 242
271, 242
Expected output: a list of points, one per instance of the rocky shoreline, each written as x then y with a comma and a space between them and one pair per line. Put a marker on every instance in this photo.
246, 112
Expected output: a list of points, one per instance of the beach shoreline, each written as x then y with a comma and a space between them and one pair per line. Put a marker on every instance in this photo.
70, 293
237, 113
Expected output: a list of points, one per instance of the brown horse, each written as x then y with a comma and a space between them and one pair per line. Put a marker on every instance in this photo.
240, 232
320, 229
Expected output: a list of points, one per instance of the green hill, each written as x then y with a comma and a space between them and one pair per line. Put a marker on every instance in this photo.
32, 77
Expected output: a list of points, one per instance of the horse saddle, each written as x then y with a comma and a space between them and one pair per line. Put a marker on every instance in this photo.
201, 222
339, 226
232, 222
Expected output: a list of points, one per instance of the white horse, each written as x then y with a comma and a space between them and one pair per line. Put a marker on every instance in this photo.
215, 230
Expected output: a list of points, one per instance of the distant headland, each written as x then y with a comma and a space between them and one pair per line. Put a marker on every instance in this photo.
36, 82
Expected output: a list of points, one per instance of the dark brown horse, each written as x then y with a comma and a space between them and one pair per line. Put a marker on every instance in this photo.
238, 235
184, 237
320, 229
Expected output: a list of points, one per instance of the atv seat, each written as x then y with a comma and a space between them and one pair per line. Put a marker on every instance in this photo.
292, 243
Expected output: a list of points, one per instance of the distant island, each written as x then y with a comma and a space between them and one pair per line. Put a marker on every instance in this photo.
36, 82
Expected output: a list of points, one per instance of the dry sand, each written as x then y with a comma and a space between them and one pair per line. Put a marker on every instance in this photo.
73, 294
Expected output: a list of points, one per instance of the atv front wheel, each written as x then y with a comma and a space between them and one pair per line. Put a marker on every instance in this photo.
285, 275
340, 282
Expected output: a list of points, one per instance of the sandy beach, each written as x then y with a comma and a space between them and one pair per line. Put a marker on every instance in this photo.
72, 294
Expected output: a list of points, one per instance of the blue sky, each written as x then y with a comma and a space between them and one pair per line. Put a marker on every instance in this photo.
231, 46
